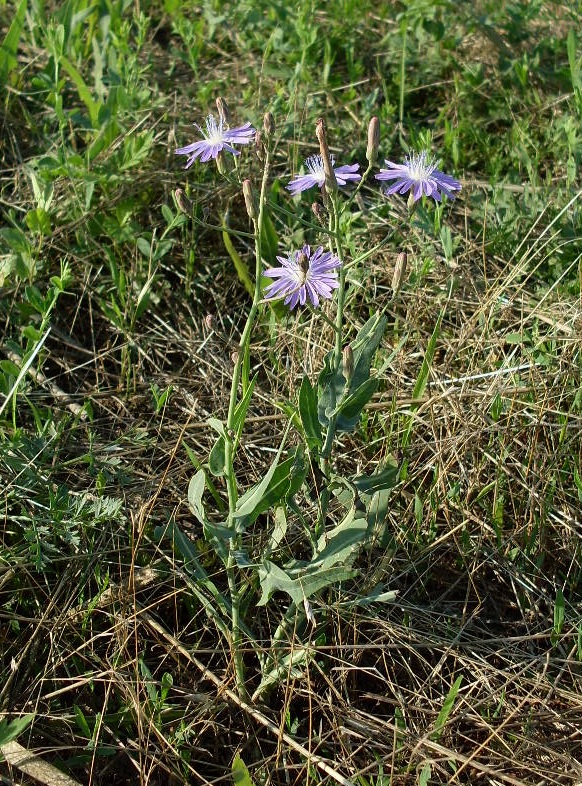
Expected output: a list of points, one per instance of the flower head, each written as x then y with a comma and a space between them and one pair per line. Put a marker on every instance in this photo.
217, 137
420, 175
316, 176
303, 275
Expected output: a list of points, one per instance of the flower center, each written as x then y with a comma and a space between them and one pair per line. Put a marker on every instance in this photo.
214, 131
302, 267
315, 166
420, 166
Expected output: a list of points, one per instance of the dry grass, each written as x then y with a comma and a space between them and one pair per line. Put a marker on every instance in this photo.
483, 534
476, 593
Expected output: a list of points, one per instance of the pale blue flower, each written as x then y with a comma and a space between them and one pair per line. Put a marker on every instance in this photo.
420, 175
303, 275
217, 137
316, 175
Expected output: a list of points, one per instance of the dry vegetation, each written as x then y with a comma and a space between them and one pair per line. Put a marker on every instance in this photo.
482, 540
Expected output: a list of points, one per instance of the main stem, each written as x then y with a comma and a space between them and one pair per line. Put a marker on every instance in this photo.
232, 439
337, 359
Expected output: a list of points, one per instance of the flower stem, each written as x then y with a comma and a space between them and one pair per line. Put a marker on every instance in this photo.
233, 432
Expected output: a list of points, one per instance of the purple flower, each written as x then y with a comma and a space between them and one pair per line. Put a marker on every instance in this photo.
419, 173
316, 176
302, 275
217, 137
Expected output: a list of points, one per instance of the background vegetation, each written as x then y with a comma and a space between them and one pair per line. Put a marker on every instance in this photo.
109, 371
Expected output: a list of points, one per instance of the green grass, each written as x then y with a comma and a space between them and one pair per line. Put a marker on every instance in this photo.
112, 603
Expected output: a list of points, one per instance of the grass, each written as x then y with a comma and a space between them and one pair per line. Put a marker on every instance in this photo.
111, 599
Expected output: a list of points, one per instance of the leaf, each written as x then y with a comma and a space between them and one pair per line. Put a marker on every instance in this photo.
83, 91
241, 267
281, 481
337, 545
9, 48
376, 596
241, 408
350, 408
284, 668
571, 47
308, 414
274, 579
240, 774
447, 708
422, 380
217, 458
82, 721
385, 478
331, 385
425, 773
269, 239
334, 391
195, 492
10, 731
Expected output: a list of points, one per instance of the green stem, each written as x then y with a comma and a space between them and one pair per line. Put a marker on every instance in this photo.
240, 372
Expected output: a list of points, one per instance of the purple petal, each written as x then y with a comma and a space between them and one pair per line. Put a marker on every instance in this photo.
241, 135
303, 182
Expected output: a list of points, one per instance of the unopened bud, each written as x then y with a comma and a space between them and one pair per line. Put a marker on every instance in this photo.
268, 124
221, 164
208, 322
182, 201
330, 178
373, 141
234, 357
250, 202
223, 112
319, 212
348, 362
399, 272
259, 145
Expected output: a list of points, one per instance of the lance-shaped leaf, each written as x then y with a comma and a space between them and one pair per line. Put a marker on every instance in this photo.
281, 481
275, 579
350, 407
357, 391
338, 545
385, 477
217, 534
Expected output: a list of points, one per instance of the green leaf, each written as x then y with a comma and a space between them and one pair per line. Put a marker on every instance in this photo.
38, 220
269, 240
82, 721
9, 48
241, 408
281, 481
331, 385
240, 774
274, 579
334, 390
559, 616
425, 773
241, 267
447, 708
10, 731
422, 379
338, 544
385, 478
217, 458
195, 492
308, 414
83, 91
376, 596
350, 408
571, 47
